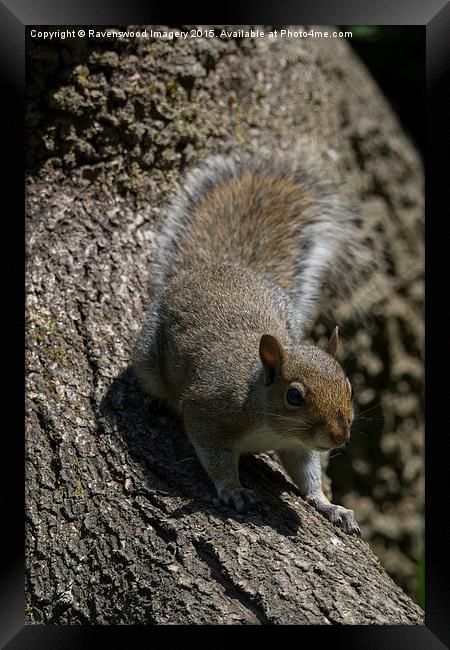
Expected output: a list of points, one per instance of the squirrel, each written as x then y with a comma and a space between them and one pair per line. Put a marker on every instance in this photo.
247, 247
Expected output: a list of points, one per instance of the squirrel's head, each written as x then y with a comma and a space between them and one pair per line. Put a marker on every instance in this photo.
308, 396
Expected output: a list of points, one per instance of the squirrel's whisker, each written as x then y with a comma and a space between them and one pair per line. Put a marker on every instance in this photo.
367, 410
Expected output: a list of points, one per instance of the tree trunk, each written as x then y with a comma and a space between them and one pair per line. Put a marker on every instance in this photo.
120, 524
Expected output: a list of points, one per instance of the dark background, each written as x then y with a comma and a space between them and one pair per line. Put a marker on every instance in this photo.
395, 57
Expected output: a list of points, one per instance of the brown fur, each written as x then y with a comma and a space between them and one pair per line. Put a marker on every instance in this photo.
224, 225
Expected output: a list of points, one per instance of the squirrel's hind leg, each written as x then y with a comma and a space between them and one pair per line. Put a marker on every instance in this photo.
304, 467
145, 360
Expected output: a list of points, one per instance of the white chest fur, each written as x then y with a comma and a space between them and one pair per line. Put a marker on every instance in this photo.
259, 439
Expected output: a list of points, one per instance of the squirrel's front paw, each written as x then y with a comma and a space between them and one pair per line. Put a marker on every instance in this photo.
338, 515
241, 498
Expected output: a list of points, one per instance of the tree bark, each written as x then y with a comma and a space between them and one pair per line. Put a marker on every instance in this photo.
120, 523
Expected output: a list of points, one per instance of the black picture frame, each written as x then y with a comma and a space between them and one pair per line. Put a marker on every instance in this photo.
15, 15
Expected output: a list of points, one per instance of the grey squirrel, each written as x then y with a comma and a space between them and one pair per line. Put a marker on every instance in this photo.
246, 248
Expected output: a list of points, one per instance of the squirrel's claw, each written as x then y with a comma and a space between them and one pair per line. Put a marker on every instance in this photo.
345, 519
242, 499
338, 515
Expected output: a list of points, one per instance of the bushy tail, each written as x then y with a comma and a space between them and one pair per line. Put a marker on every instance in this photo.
277, 216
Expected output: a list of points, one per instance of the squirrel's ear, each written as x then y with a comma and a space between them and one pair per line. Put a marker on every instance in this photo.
271, 354
333, 342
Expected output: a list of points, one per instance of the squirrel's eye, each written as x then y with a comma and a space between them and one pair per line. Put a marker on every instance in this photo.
294, 396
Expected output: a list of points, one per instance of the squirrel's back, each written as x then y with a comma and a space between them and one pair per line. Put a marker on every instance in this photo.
273, 215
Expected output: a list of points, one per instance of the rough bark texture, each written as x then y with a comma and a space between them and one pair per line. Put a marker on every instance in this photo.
120, 528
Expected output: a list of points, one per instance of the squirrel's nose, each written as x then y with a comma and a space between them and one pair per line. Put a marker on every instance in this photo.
339, 434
